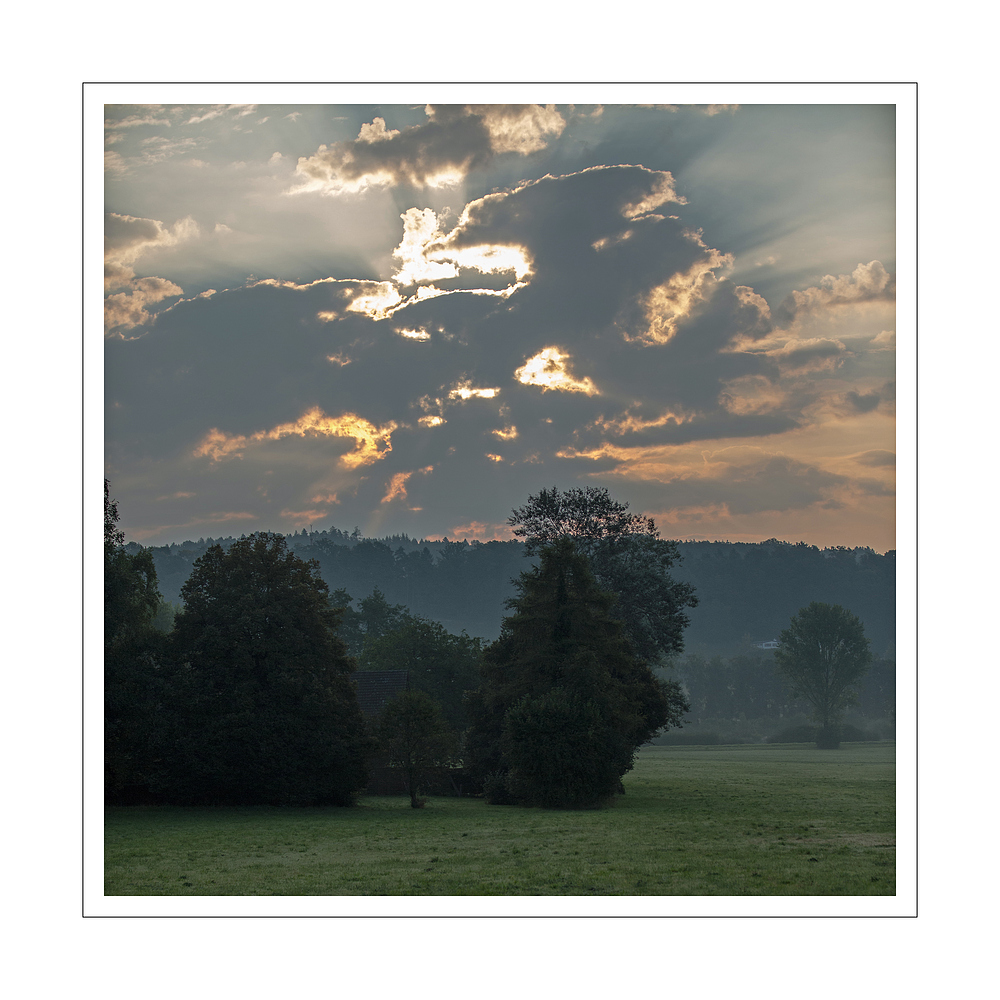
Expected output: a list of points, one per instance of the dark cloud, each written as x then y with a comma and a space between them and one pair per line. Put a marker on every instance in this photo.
863, 402
453, 142
360, 402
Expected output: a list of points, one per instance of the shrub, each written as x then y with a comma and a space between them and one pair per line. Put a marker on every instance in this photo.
561, 752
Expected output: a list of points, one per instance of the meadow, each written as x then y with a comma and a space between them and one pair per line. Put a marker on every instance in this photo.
749, 820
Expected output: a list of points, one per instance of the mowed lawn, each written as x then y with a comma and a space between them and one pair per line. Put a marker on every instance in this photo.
695, 821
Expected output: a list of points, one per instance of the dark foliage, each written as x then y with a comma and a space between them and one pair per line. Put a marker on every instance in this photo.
564, 702
626, 555
132, 650
262, 709
584, 515
754, 589
741, 687
374, 618
415, 738
743, 588
442, 665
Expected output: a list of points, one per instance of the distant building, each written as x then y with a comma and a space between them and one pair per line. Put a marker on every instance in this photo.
770, 644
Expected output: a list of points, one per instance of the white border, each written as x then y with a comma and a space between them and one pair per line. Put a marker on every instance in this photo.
903, 95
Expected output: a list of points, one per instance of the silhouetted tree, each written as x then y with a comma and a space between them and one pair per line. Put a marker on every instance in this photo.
626, 555
564, 702
263, 705
823, 654
132, 646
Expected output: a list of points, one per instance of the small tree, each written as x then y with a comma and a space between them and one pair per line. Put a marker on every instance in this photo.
415, 737
823, 654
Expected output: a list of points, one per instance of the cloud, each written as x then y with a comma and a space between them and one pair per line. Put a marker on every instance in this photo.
147, 115
809, 354
126, 310
397, 484
867, 283
370, 443
877, 457
438, 153
733, 481
883, 397
218, 110
126, 238
557, 329
512, 128
549, 370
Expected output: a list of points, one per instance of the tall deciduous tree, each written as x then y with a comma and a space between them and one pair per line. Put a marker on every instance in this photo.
564, 702
627, 557
823, 654
265, 709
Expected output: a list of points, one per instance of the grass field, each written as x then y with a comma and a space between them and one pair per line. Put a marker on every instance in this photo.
695, 821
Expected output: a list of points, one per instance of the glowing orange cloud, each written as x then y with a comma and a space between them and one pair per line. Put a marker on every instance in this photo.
548, 369
397, 485
302, 517
465, 390
674, 300
629, 424
372, 443
481, 530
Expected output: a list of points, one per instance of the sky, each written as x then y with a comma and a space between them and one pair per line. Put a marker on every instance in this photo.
407, 318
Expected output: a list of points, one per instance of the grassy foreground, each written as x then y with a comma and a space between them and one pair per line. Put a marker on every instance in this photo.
695, 821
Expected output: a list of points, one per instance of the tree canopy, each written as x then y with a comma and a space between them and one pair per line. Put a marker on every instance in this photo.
823, 654
627, 557
564, 702
266, 712
442, 665
132, 647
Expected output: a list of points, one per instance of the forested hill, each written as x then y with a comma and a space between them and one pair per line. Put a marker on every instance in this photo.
746, 591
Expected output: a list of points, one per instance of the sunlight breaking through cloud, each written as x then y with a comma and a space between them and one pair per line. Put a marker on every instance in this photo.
371, 442
548, 369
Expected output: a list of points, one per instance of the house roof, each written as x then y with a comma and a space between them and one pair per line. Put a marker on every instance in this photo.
376, 688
